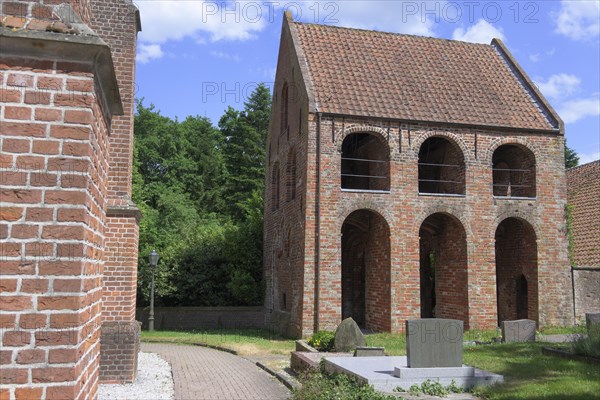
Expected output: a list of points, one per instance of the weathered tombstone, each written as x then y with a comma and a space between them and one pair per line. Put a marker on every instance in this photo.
348, 336
521, 330
363, 351
592, 322
434, 342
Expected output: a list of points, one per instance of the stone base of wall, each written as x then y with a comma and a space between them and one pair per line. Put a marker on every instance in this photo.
203, 318
119, 347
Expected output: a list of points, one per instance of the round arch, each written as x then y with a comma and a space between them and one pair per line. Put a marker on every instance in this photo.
453, 138
379, 133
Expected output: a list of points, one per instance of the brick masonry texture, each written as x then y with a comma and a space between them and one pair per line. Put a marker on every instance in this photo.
56, 160
306, 238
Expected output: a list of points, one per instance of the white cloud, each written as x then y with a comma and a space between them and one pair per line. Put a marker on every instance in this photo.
579, 20
559, 86
577, 109
165, 20
147, 52
534, 57
225, 56
481, 32
588, 157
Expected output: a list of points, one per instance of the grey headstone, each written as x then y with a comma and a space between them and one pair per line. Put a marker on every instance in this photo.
369, 352
434, 342
348, 336
520, 330
592, 321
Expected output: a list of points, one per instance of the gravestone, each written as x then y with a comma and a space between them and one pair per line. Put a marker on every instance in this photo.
348, 336
592, 322
362, 351
521, 330
434, 342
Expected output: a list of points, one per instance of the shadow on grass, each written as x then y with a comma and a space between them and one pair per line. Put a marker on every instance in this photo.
530, 375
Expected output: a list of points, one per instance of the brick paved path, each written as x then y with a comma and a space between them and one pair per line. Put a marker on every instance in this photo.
202, 373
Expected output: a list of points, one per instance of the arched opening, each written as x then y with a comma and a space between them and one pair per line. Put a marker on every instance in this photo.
290, 183
516, 271
284, 108
443, 268
513, 169
366, 270
441, 167
275, 187
365, 163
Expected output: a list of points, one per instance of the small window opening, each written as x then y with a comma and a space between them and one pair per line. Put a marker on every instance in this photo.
284, 301
365, 163
513, 169
441, 167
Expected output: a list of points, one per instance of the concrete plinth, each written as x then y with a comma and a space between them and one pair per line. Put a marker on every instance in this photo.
380, 372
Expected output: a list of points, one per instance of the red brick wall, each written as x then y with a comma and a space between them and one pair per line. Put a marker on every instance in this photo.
477, 214
54, 180
115, 22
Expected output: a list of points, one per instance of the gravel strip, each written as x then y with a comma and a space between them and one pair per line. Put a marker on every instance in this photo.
154, 382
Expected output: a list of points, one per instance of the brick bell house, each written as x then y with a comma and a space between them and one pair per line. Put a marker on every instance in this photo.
411, 177
583, 188
68, 230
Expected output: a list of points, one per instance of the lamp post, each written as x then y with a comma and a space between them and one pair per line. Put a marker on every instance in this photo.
153, 258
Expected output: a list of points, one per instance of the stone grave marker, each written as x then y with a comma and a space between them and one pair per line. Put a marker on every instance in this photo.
348, 336
434, 342
521, 330
592, 322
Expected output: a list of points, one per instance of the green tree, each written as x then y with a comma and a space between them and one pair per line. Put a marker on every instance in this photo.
244, 141
571, 157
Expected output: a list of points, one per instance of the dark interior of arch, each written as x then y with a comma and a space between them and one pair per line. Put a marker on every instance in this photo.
443, 268
366, 270
441, 167
513, 171
365, 163
516, 271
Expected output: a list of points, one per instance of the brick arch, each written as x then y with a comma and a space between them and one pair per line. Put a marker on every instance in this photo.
511, 140
450, 211
518, 215
369, 206
379, 133
453, 138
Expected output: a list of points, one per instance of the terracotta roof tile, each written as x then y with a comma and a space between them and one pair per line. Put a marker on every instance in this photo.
583, 188
409, 77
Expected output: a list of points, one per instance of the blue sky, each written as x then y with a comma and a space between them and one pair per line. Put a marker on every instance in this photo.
198, 57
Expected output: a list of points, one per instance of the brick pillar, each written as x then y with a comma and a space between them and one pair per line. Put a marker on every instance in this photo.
117, 22
53, 188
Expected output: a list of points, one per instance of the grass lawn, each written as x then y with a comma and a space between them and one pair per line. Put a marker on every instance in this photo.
527, 373
246, 342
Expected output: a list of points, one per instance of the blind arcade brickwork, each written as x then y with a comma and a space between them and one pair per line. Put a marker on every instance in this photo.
429, 181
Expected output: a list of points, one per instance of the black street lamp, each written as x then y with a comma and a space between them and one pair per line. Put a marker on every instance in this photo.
153, 258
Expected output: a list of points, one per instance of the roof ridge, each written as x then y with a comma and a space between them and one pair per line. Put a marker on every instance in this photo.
390, 33
587, 164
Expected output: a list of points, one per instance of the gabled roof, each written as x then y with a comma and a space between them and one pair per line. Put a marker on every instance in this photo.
413, 78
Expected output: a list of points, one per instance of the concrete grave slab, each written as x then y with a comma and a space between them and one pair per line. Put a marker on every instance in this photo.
379, 372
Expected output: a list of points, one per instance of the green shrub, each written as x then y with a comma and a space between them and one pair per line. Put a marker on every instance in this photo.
322, 340
588, 346
318, 385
